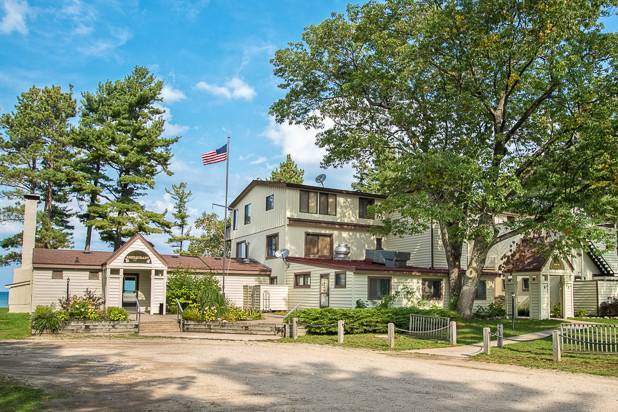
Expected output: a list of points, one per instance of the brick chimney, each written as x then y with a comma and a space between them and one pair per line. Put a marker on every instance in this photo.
29, 230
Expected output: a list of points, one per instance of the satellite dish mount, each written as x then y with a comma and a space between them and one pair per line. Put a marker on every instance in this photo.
282, 254
320, 179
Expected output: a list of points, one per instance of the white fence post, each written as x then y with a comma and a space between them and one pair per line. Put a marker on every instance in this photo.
294, 328
486, 341
500, 335
340, 332
453, 333
556, 347
391, 335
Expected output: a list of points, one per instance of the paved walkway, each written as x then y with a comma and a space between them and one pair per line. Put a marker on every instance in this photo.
182, 375
466, 351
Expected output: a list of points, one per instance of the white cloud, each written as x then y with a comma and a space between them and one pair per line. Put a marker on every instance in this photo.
300, 143
103, 47
14, 19
171, 95
296, 140
82, 15
259, 160
232, 89
171, 129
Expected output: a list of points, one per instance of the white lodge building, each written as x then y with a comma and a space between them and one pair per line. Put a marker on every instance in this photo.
333, 259
135, 273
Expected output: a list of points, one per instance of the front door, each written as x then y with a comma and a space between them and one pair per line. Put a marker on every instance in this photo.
324, 290
129, 290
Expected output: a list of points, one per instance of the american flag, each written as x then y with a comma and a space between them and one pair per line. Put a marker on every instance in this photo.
215, 156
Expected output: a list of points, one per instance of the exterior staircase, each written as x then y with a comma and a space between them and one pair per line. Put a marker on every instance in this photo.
597, 257
158, 324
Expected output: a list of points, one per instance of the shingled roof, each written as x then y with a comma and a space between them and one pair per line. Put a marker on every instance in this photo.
369, 266
530, 255
62, 258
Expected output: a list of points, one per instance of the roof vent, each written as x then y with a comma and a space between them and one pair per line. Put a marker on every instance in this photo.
76, 259
388, 258
245, 260
342, 251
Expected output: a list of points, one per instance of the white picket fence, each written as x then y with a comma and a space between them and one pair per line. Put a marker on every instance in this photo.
585, 338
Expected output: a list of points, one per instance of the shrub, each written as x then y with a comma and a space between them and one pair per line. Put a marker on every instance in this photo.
361, 320
582, 313
609, 308
86, 307
491, 311
191, 313
116, 314
228, 313
556, 311
45, 319
191, 289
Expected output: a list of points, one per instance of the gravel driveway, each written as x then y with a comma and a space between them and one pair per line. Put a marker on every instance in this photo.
150, 374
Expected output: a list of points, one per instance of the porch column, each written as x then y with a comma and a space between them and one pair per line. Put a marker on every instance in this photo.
510, 289
106, 274
164, 291
152, 291
568, 310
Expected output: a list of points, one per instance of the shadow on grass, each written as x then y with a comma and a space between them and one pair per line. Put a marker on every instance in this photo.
126, 376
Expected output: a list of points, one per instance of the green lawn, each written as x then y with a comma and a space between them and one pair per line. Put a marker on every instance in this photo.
14, 325
610, 321
18, 397
471, 331
367, 341
538, 354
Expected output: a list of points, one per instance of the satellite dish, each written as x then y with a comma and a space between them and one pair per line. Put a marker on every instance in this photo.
320, 179
283, 253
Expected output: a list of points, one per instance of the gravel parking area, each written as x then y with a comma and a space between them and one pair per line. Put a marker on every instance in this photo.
171, 374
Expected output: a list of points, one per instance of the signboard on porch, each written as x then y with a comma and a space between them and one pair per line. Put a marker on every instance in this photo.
137, 256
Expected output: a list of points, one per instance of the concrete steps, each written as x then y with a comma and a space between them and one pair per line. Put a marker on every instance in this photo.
159, 326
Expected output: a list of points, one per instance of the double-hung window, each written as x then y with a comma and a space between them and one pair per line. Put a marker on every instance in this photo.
272, 244
318, 245
364, 207
378, 287
318, 202
481, 290
302, 280
242, 250
247, 213
270, 202
432, 289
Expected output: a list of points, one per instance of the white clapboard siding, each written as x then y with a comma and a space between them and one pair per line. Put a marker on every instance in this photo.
304, 297
157, 290
234, 286
46, 291
114, 290
277, 297
261, 219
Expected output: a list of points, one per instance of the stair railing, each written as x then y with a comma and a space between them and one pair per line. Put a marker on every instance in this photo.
138, 308
597, 257
179, 314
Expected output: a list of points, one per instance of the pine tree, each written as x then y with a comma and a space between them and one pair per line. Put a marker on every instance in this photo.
288, 172
210, 241
180, 196
125, 115
35, 156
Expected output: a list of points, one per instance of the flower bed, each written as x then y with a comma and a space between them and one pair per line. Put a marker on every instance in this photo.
81, 314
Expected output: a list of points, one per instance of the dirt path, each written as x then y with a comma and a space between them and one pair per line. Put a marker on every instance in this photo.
149, 374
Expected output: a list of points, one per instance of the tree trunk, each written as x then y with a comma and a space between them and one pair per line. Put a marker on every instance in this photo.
465, 303
452, 248
88, 238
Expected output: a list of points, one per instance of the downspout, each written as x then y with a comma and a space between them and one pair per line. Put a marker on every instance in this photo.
431, 247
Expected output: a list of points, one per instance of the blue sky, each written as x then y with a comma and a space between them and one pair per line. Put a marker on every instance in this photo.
214, 59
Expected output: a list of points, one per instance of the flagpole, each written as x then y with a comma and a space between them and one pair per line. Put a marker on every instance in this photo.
227, 173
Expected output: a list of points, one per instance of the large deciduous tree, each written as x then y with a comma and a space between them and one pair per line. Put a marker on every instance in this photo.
288, 172
35, 157
460, 112
180, 196
123, 150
